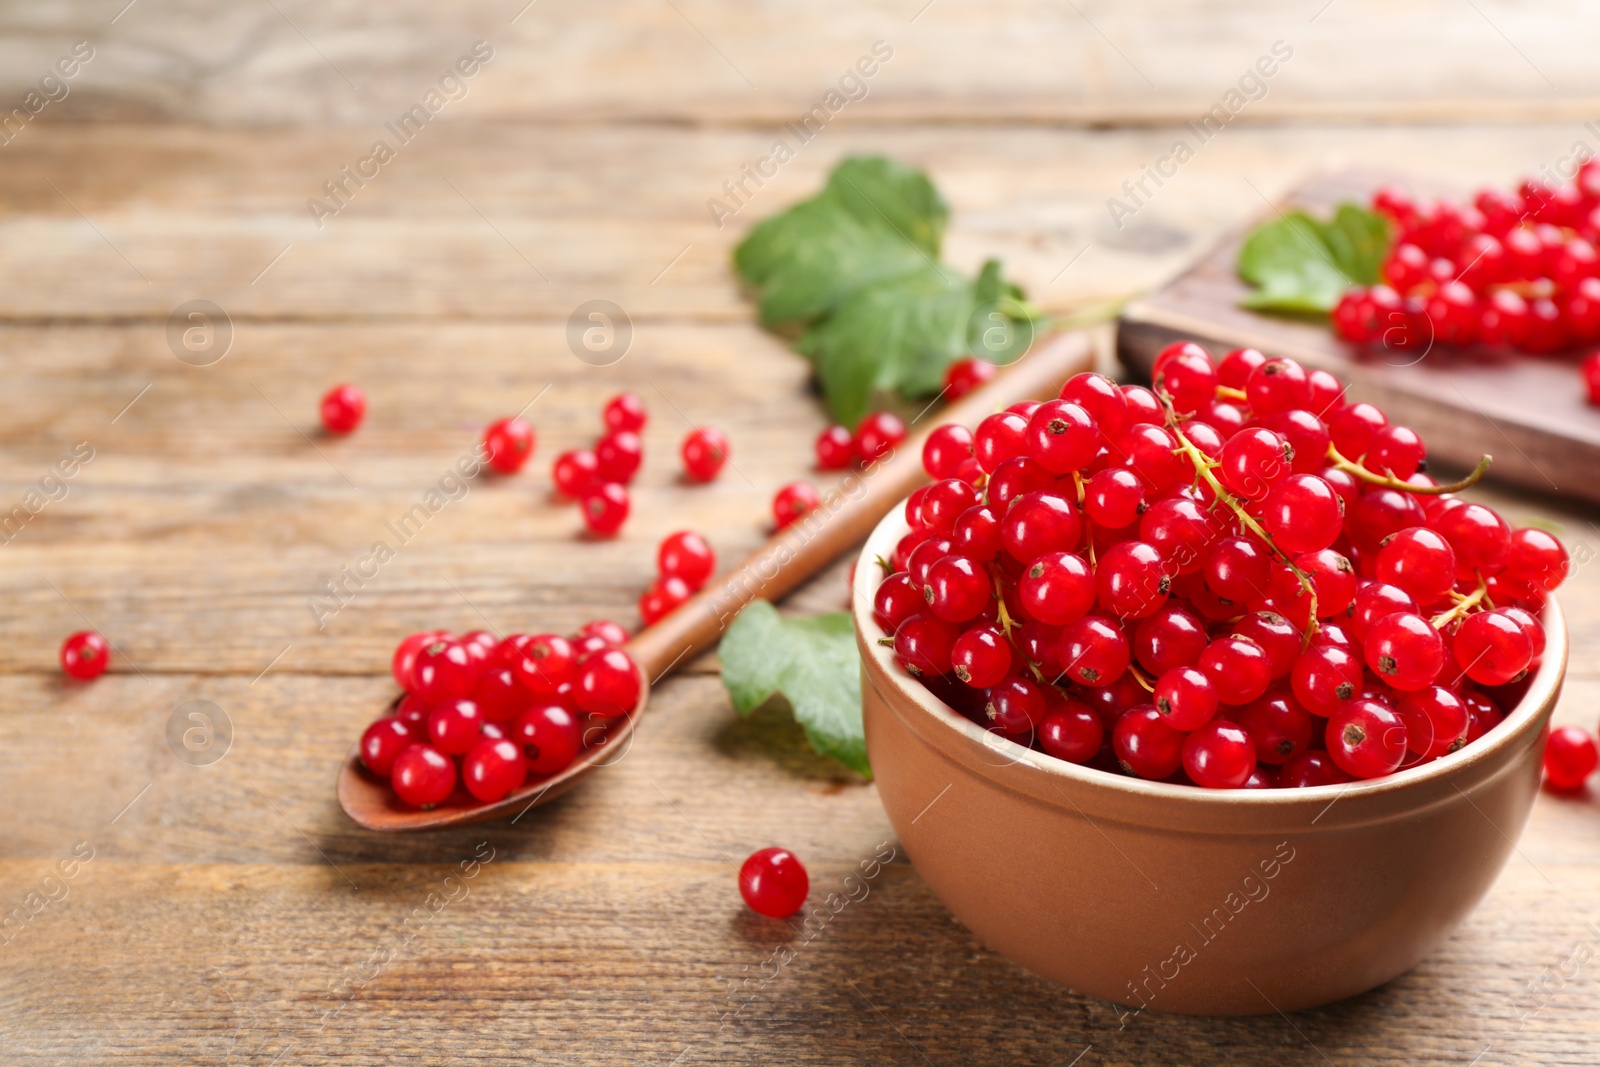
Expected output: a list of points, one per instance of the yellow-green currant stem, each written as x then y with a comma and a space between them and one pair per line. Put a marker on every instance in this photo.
1466, 604
1138, 676
1202, 464
1388, 480
1227, 392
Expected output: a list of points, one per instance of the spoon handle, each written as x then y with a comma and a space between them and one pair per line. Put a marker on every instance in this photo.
848, 514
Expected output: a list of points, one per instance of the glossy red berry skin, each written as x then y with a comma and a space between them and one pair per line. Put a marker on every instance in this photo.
575, 472
605, 508
454, 725
774, 883
792, 502
896, 599
1333, 577
1395, 450
1219, 755
1040, 522
977, 534
499, 694
612, 633
1239, 669
544, 663
608, 683
1014, 478
1277, 385
509, 443
1101, 397
1478, 536
1312, 768
1057, 588
965, 375
618, 455
704, 452
1404, 651
1536, 557
1114, 498
943, 503
1277, 637
924, 644
382, 742
1145, 745
835, 449
625, 411
1015, 706
946, 449
1492, 648
1173, 636
981, 657
1325, 677
1072, 732
1001, 436
957, 589
1375, 601
1366, 738
492, 769
686, 555
1303, 514
422, 776
1254, 460
1093, 652
1591, 377
343, 408
1436, 721
664, 596
1062, 437
1132, 580
405, 657
1418, 560
443, 670
549, 736
1185, 698
1570, 757
877, 435
85, 655
1278, 725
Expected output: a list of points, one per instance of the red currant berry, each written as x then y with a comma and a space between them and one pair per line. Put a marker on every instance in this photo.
835, 449
1419, 561
619, 454
1172, 637
547, 661
945, 450
1333, 577
686, 555
1492, 648
792, 502
945, 502
1453, 307
1537, 558
664, 596
453, 727
422, 776
343, 408
1040, 522
1188, 378
1279, 727
1351, 428
1186, 698
924, 644
1145, 745
1395, 450
493, 768
498, 694
84, 655
1093, 651
608, 683
605, 508
877, 435
1057, 588
1234, 368
1219, 755
923, 557
1113, 498
1303, 514
704, 452
1001, 436
1479, 536
1570, 757
1062, 437
1591, 377
1311, 769
1405, 651
443, 670
1277, 637
405, 657
1277, 385
1366, 738
549, 737
1373, 601
575, 472
957, 589
981, 657
977, 534
1238, 667
1015, 706
509, 444
1254, 460
1071, 731
895, 601
1012, 479
1132, 580
774, 883
414, 711
1436, 721
965, 375
382, 742
1181, 530
1151, 453
1238, 568
625, 412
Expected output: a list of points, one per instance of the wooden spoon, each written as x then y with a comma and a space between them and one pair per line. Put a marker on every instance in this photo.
794, 555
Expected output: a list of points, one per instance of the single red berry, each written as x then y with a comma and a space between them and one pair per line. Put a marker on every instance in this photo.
1219, 755
84, 655
549, 737
965, 375
663, 597
1151, 453
1277, 724
614, 634
405, 657
414, 712
1277, 385
1094, 651
1333, 577
1071, 731
977, 534
1062, 437
1311, 769
422, 776
509, 444
792, 502
1570, 757
686, 555
774, 883
835, 449
1174, 636
896, 600
1186, 698
924, 644
1374, 601
1234, 368
704, 452
1188, 378
1254, 460
1015, 706
1012, 479
943, 503
957, 589
1351, 428
1366, 738
1492, 648
1238, 667
1405, 651
454, 725
1057, 588
608, 683
1303, 514
1145, 745
1001, 436
1326, 676
1436, 720
618, 455
1277, 637
1040, 522
1418, 560
1132, 579
1182, 529
343, 408
1478, 535
1113, 498
1238, 568
605, 508
946, 448
443, 670
1396, 450
981, 657
382, 742
625, 411
547, 661
493, 768
877, 435
575, 472
499, 694
1537, 558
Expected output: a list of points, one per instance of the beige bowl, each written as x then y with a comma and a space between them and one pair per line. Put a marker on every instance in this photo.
1179, 899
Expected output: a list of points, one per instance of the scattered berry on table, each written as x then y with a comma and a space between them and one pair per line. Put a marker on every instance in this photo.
1570, 757
704, 452
625, 411
605, 508
793, 501
774, 883
836, 449
85, 655
343, 408
877, 435
509, 444
686, 555
965, 375
575, 473
618, 455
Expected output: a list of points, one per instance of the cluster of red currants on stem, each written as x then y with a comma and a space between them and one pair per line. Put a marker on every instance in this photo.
1514, 269
1234, 580
487, 715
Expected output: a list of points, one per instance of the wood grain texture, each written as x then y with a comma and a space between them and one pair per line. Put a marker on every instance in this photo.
231, 914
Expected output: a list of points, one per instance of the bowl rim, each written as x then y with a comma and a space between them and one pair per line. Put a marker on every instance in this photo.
1484, 756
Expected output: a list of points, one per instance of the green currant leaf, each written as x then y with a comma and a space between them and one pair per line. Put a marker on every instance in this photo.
1302, 265
812, 663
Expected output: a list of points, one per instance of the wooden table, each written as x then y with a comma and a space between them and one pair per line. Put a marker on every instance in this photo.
229, 912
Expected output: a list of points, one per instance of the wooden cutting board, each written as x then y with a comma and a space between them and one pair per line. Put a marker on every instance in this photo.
1529, 412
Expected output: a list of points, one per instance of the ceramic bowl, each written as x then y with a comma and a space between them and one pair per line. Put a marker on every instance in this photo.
1178, 899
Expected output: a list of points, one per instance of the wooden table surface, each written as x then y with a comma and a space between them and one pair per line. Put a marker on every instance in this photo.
228, 912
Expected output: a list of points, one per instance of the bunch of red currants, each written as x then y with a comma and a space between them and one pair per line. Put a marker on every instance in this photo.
1234, 580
